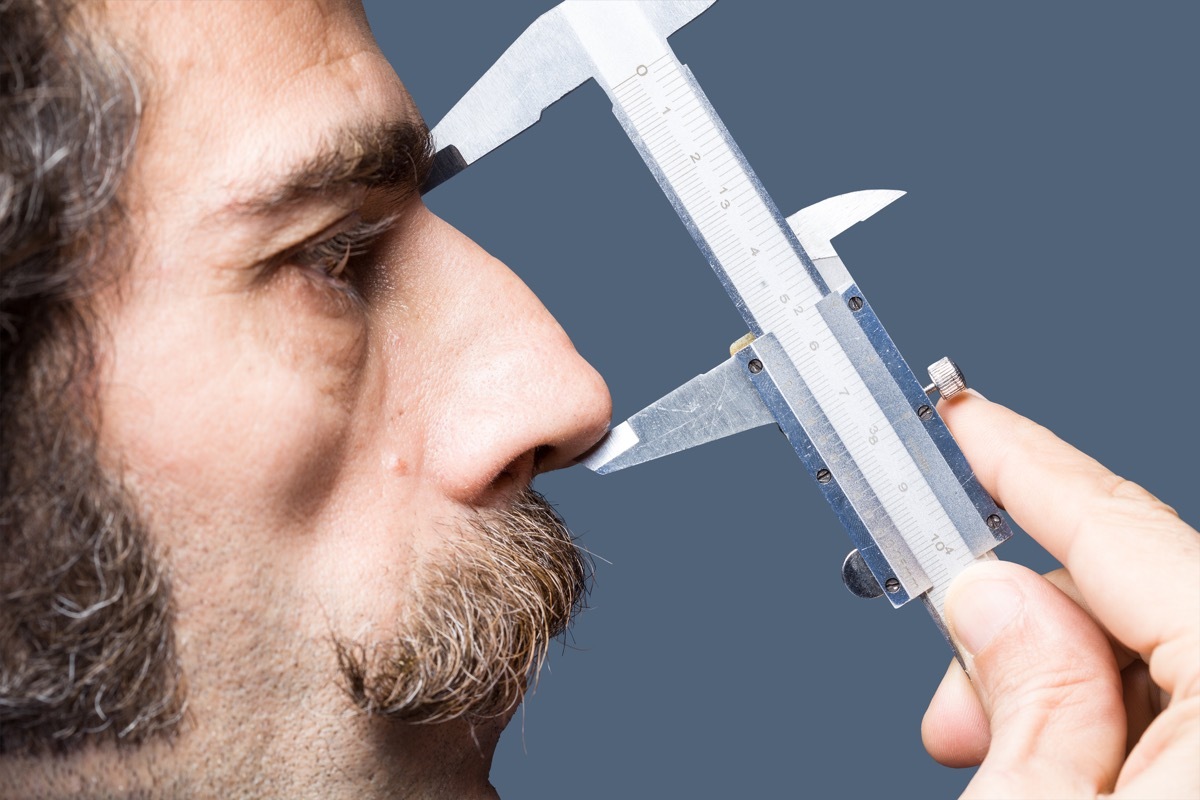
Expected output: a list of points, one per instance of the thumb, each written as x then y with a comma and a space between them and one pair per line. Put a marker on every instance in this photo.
1048, 681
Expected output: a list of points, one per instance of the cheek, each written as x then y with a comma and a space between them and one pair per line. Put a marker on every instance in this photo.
235, 406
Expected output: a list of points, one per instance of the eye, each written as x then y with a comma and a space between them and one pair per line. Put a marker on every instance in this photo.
333, 255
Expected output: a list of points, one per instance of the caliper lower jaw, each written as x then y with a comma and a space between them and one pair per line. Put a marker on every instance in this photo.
725, 400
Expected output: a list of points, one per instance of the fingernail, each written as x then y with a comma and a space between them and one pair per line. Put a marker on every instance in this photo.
982, 609
976, 392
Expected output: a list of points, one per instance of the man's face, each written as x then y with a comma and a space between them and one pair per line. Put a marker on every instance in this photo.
312, 425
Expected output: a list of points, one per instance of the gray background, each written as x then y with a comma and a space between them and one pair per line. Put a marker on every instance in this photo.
1046, 244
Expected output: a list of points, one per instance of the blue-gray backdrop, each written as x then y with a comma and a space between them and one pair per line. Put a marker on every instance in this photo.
1046, 243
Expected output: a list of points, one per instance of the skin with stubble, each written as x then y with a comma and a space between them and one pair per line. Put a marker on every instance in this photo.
270, 532
324, 407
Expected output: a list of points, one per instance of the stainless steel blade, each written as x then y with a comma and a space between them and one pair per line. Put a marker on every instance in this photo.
547, 61
723, 402
816, 226
719, 403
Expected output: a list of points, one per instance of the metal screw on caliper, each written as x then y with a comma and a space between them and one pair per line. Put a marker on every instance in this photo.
947, 378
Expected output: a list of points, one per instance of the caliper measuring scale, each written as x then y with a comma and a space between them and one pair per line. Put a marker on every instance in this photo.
818, 362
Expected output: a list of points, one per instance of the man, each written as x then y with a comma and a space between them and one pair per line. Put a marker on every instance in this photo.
268, 515
306, 410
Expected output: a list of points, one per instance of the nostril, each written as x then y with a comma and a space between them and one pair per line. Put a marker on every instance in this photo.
540, 454
548, 458
518, 473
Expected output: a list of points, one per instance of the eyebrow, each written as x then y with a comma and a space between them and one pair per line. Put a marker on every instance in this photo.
394, 156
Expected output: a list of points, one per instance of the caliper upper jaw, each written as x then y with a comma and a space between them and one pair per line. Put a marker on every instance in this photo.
723, 401
546, 62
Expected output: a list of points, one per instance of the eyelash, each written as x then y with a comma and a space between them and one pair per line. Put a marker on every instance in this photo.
331, 257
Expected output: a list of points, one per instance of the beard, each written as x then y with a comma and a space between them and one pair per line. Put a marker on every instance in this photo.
87, 641
87, 644
483, 616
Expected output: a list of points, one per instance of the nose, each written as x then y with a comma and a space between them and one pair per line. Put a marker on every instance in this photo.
512, 396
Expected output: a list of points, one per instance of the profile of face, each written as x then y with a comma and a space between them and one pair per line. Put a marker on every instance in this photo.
325, 407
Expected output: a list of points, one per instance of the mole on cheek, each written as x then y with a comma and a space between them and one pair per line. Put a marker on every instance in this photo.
397, 465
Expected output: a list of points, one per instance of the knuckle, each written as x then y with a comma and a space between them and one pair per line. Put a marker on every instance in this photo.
1064, 688
1027, 441
1124, 492
1046, 690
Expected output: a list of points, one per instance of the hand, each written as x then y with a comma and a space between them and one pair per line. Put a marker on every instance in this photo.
1085, 682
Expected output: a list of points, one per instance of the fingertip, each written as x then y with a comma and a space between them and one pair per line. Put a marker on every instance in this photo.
972, 416
955, 727
963, 398
982, 601
1046, 677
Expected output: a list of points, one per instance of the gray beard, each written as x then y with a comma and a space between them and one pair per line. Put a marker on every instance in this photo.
482, 622
87, 646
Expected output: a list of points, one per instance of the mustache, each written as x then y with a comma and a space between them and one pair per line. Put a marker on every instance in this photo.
482, 622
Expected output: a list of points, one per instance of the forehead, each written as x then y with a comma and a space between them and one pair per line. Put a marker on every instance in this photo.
239, 89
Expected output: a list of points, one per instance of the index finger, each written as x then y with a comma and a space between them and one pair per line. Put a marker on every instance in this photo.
1134, 561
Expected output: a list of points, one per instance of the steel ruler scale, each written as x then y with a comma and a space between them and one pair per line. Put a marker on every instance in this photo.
817, 362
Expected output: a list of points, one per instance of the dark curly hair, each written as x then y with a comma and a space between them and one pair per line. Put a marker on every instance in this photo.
86, 643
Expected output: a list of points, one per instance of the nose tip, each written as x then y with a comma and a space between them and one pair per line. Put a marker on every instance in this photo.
588, 428
537, 407
515, 399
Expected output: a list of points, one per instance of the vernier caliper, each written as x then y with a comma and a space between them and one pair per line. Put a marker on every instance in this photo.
817, 362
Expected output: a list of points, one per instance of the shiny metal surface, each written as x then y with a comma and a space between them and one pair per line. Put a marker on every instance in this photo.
943, 554
947, 378
816, 226
858, 578
815, 440
722, 402
822, 366
570, 43
719, 403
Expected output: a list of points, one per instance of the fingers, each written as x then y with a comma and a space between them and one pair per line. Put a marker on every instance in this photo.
1062, 579
1048, 682
1134, 562
1164, 764
955, 727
